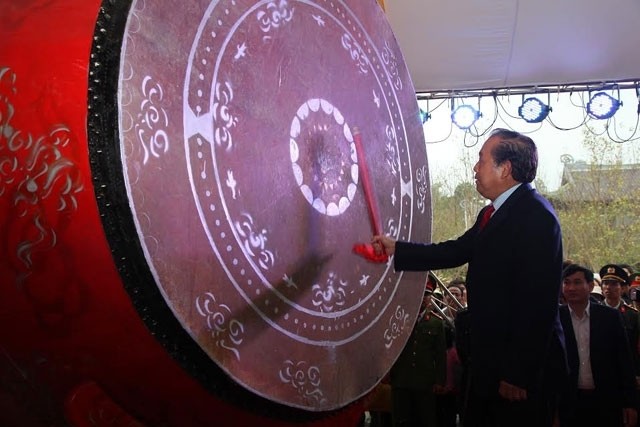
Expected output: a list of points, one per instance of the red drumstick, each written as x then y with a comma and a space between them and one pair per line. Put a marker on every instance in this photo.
366, 183
366, 249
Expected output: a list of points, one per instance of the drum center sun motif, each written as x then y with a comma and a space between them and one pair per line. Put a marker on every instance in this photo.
323, 157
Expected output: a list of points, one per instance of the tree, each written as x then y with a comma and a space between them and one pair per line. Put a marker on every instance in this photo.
453, 215
598, 207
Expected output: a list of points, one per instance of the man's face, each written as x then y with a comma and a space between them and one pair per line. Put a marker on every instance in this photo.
612, 290
625, 287
426, 301
576, 289
624, 290
463, 300
489, 177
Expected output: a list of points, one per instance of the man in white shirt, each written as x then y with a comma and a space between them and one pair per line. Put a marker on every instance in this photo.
601, 389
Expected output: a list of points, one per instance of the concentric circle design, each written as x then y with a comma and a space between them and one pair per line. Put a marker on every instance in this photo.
244, 182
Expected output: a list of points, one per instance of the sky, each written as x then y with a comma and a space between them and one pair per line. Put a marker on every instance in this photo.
447, 144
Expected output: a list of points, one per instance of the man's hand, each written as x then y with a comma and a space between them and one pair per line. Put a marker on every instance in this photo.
383, 245
511, 392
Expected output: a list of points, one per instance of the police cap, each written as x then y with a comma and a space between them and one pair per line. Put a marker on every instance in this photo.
614, 272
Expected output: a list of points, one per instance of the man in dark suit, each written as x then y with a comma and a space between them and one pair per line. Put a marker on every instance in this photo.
513, 285
601, 389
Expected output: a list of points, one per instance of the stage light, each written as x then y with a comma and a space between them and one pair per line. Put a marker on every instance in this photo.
602, 106
424, 116
465, 116
533, 110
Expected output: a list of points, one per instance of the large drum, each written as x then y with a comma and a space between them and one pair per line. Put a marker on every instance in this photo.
182, 185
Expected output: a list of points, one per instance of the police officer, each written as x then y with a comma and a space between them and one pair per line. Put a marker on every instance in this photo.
634, 290
614, 277
420, 370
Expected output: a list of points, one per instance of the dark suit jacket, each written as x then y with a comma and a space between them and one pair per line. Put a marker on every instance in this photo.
611, 361
513, 283
632, 328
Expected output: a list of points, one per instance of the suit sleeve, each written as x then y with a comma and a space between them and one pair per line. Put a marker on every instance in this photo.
422, 257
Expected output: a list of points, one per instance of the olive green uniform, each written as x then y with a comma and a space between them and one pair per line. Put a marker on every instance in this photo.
421, 365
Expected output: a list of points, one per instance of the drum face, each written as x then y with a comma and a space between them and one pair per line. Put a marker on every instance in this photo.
236, 176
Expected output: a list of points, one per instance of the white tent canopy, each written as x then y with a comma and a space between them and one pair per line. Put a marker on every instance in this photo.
453, 45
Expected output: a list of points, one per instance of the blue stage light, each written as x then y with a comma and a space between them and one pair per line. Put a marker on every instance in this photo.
465, 116
533, 110
602, 106
424, 116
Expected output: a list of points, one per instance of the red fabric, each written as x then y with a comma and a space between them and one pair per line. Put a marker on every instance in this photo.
453, 364
486, 216
366, 251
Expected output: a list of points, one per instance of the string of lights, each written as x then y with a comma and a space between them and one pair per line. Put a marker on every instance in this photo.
476, 111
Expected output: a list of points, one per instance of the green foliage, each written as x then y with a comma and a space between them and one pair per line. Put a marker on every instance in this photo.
595, 234
602, 225
452, 216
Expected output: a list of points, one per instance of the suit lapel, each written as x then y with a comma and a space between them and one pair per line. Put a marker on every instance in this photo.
570, 340
594, 337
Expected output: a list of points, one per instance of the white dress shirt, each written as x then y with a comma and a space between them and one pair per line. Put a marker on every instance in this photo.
582, 331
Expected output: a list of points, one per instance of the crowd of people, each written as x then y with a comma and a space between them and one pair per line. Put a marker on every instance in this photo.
525, 339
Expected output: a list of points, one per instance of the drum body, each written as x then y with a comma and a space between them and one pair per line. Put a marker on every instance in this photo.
180, 193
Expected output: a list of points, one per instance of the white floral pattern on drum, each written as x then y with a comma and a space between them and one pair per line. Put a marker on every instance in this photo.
389, 58
152, 121
331, 295
221, 114
356, 53
422, 187
254, 242
226, 331
277, 13
392, 155
397, 324
304, 379
39, 179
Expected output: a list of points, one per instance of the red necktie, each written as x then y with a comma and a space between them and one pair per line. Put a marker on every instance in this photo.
486, 216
